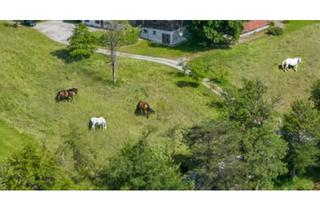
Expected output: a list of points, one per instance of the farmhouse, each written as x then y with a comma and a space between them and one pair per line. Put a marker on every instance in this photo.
166, 32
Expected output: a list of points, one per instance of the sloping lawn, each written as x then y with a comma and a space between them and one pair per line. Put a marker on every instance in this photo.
260, 59
33, 68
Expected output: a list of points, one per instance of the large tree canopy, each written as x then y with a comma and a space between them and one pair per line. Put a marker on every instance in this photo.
141, 167
301, 129
214, 32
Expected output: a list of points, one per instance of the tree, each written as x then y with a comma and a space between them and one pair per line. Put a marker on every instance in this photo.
118, 32
227, 158
33, 168
263, 154
315, 94
247, 105
140, 167
82, 44
216, 156
301, 129
214, 32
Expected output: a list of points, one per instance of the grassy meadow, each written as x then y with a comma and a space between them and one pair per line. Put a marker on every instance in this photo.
260, 59
33, 68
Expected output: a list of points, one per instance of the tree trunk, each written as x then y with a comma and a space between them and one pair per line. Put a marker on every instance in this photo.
113, 65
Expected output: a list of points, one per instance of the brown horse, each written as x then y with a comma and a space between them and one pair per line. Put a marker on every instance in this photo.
143, 108
66, 94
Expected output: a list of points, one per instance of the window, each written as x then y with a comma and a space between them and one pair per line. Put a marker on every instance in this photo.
87, 21
97, 22
154, 32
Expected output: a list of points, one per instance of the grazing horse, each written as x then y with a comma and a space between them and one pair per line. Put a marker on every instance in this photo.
97, 122
291, 62
66, 94
143, 108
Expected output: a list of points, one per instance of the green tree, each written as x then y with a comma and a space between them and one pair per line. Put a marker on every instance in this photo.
216, 156
263, 154
214, 32
301, 129
227, 158
140, 167
33, 168
82, 44
315, 94
247, 105
79, 159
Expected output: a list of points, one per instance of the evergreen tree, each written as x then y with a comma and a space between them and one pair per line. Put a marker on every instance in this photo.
33, 168
82, 44
315, 94
247, 105
216, 156
301, 129
140, 167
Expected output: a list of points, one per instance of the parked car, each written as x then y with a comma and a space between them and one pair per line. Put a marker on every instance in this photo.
30, 23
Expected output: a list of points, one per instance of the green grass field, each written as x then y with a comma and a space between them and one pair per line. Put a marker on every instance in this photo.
260, 59
33, 69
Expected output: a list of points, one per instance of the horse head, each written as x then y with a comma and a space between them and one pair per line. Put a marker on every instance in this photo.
299, 60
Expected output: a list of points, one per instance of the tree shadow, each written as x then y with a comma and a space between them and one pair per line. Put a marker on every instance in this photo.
182, 84
63, 54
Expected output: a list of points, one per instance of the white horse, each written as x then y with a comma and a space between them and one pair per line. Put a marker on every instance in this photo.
99, 122
294, 62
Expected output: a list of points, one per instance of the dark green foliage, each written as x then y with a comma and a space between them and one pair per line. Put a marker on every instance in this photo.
275, 31
264, 153
247, 105
82, 44
140, 167
214, 32
79, 159
224, 157
216, 156
33, 168
315, 94
301, 129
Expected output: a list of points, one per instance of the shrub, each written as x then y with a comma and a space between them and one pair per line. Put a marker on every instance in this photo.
82, 43
220, 76
275, 31
298, 184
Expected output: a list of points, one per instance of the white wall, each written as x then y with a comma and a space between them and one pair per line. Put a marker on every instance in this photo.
155, 35
91, 23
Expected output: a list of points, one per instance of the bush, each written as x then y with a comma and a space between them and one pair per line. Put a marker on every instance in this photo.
82, 43
220, 76
298, 184
275, 31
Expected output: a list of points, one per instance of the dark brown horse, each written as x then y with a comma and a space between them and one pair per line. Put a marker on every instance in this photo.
143, 108
66, 94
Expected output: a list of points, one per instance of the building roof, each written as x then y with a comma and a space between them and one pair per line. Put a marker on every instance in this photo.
167, 25
252, 25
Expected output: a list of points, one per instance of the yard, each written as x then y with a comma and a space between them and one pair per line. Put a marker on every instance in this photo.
33, 68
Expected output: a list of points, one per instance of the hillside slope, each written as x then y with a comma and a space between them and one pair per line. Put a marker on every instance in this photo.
33, 68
